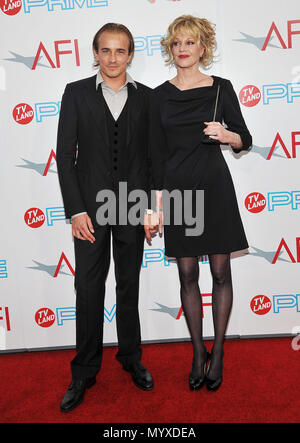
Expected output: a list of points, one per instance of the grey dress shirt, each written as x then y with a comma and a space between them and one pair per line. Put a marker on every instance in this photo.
115, 100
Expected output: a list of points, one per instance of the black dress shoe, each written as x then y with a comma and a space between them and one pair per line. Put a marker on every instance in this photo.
196, 383
140, 375
75, 393
214, 384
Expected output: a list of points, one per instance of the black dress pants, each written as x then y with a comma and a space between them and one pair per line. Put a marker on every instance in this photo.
91, 268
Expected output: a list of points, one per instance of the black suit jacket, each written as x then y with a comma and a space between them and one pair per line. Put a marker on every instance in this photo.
82, 124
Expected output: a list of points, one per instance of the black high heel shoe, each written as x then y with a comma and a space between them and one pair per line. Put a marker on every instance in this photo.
213, 385
196, 383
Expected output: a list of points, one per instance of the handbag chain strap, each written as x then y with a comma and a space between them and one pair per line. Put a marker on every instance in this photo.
216, 105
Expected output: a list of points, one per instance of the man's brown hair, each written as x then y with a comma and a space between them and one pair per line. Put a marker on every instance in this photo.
113, 27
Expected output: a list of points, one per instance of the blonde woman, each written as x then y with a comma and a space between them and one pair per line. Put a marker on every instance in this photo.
181, 116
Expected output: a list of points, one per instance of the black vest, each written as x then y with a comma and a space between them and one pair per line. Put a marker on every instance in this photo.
117, 134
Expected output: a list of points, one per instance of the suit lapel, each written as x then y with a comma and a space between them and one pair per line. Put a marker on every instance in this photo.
95, 101
133, 111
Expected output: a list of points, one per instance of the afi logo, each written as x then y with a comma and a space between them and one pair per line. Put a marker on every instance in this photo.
54, 269
41, 168
51, 156
291, 24
209, 303
176, 313
63, 258
283, 245
262, 43
58, 52
279, 140
4, 317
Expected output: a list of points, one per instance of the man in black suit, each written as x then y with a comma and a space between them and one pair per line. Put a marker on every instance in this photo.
102, 141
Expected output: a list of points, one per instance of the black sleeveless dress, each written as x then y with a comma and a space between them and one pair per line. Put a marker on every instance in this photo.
180, 161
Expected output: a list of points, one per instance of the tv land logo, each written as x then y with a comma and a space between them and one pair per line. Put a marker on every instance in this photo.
23, 113
273, 32
250, 95
262, 304
35, 217
13, 7
46, 318
257, 202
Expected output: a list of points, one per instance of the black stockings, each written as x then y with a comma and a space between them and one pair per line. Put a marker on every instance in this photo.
188, 268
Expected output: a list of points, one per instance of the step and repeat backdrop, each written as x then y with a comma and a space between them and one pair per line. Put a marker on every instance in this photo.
46, 44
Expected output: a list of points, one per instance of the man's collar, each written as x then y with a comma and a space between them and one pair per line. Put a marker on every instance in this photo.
129, 79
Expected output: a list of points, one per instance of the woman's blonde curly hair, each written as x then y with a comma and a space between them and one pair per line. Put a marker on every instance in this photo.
200, 28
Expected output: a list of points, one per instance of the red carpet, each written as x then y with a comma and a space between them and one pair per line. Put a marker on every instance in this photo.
261, 385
